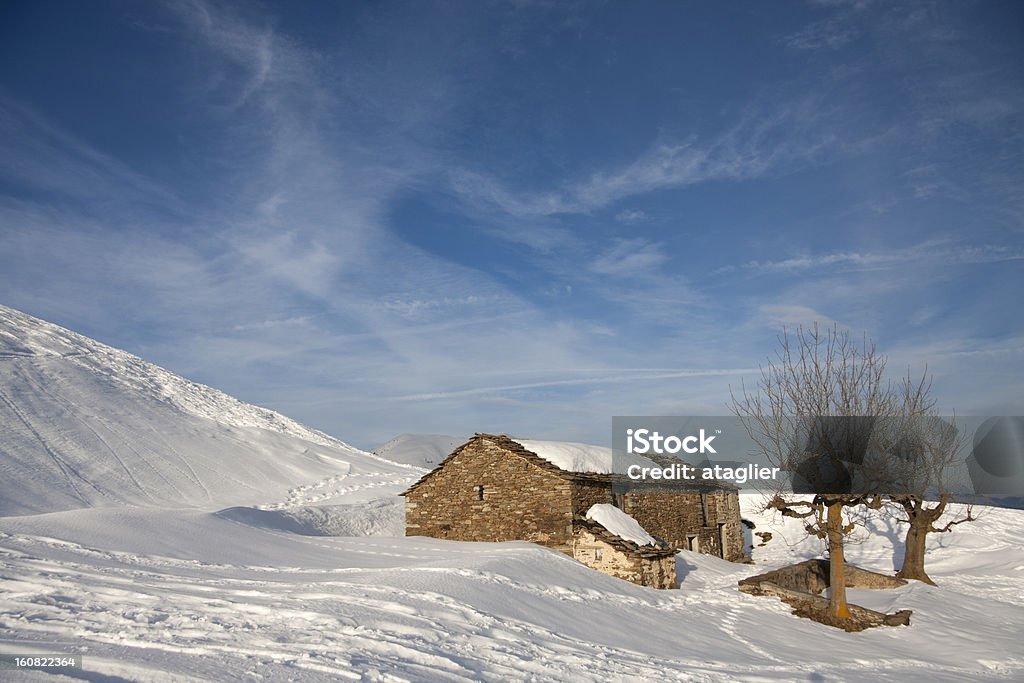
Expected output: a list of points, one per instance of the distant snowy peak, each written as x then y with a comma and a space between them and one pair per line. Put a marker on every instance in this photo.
24, 336
420, 450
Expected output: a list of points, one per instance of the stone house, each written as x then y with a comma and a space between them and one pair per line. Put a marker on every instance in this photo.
494, 488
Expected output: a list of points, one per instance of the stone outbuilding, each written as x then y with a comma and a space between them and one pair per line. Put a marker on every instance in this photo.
704, 519
494, 488
600, 543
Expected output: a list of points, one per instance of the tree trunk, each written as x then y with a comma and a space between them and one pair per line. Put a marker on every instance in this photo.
913, 558
836, 563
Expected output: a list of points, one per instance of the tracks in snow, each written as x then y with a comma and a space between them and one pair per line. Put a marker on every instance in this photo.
69, 472
312, 628
337, 486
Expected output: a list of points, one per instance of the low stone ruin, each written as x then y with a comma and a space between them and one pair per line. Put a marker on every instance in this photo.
800, 586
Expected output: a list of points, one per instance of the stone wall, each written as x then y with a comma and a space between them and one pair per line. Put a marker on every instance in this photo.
656, 571
690, 520
812, 576
586, 494
519, 500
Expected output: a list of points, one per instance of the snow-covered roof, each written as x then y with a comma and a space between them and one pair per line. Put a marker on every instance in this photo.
579, 457
569, 458
619, 523
572, 457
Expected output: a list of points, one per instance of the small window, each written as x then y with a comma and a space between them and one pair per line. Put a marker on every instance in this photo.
479, 492
597, 553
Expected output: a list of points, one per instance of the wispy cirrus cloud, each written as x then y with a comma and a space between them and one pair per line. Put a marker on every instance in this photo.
773, 136
931, 253
832, 33
37, 153
401, 234
635, 258
663, 166
292, 276
631, 216
633, 376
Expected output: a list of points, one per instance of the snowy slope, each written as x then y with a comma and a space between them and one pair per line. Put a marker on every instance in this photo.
421, 450
87, 425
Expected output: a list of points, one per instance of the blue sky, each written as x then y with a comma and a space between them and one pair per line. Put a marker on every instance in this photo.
523, 217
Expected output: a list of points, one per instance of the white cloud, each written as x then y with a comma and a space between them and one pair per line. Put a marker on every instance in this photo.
307, 265
634, 258
631, 216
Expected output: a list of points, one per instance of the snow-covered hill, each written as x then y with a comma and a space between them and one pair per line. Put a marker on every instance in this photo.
87, 425
421, 450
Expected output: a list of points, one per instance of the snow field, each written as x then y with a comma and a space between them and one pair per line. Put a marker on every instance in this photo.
199, 596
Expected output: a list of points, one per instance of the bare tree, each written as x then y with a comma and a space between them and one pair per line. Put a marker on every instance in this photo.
931, 448
815, 410
922, 519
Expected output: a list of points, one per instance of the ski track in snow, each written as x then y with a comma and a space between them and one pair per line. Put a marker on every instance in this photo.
65, 469
38, 386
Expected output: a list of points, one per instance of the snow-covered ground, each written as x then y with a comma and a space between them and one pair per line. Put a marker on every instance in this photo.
155, 595
195, 538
